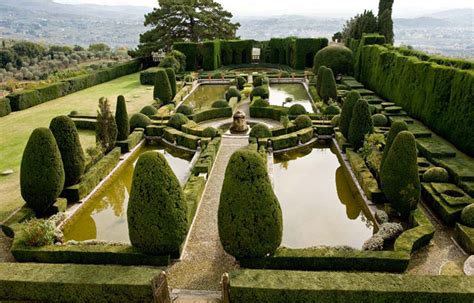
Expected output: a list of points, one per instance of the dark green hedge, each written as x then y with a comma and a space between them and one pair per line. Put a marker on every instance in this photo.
268, 112
281, 51
306, 49
147, 77
5, 108
450, 62
132, 141
213, 113
211, 57
236, 52
191, 51
439, 96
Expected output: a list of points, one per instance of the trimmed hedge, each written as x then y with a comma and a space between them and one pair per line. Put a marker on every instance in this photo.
210, 51
397, 127
450, 62
172, 78
162, 90
269, 112
209, 132
361, 124
418, 236
210, 114
328, 89
319, 79
147, 77
260, 91
185, 109
149, 110
303, 121
346, 114
177, 120
139, 120
297, 110
5, 108
306, 49
121, 119
260, 130
220, 104
336, 57
190, 50
132, 141
235, 52
233, 92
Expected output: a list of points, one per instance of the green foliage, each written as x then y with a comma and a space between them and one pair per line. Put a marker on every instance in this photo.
233, 92
149, 110
177, 120
332, 110
181, 59
240, 81
328, 86
170, 62
235, 52
336, 57
162, 89
361, 124
172, 78
139, 120
99, 47
106, 128
249, 216
355, 28
260, 102
436, 175
458, 63
5, 108
210, 52
209, 132
72, 155
379, 120
385, 24
336, 120
397, 127
42, 171
38, 232
303, 121
190, 50
220, 104
260, 91
399, 174
296, 110
319, 78
7, 56
186, 110
257, 81
121, 119
305, 50
156, 211
260, 130
346, 114
467, 216
28, 49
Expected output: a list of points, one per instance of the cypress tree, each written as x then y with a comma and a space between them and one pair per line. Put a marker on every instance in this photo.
385, 22
67, 138
162, 89
106, 129
361, 124
172, 78
328, 86
121, 119
397, 127
42, 171
319, 78
346, 114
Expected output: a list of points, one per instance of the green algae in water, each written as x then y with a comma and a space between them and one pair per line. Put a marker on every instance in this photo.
280, 92
318, 206
205, 95
105, 215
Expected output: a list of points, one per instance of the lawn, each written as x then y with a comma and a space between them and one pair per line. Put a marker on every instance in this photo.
16, 128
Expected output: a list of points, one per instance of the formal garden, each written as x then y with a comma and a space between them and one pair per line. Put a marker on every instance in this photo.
313, 172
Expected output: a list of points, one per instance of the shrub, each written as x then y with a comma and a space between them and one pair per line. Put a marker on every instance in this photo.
396, 128
121, 119
303, 121
220, 104
181, 59
156, 211
249, 215
399, 175
381, 216
240, 81
261, 103
338, 58
106, 128
296, 110
467, 216
186, 110
162, 89
375, 243
209, 132
72, 155
149, 110
260, 91
335, 120
328, 86
233, 92
139, 120
361, 124
319, 78
42, 171
260, 130
436, 175
332, 110
379, 120
38, 232
390, 231
170, 62
172, 78
177, 120
346, 114
257, 81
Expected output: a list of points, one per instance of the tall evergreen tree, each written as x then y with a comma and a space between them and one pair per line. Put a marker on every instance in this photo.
121, 119
385, 22
106, 129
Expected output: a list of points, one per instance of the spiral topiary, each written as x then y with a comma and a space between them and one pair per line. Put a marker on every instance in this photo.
185, 110
260, 91
177, 120
396, 128
139, 120
121, 119
328, 86
303, 121
220, 104
346, 113
209, 132
149, 110
379, 120
361, 124
296, 110
233, 92
336, 57
260, 130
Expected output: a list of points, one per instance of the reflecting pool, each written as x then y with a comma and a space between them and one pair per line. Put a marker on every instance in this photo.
280, 92
205, 95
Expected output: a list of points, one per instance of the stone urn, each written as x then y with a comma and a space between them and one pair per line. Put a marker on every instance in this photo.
239, 126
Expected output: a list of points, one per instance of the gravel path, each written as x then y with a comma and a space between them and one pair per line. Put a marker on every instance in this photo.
204, 260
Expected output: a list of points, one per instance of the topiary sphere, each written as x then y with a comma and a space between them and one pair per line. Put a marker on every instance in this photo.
361, 124
319, 78
328, 86
257, 81
332, 110
185, 110
249, 216
396, 128
42, 172
436, 175
296, 110
467, 216
335, 120
336, 57
149, 110
156, 214
303, 121
172, 78
220, 104
72, 155
261, 92
139, 120
346, 113
162, 89
261, 103
379, 120
121, 119
177, 120
209, 132
260, 130
233, 92
240, 82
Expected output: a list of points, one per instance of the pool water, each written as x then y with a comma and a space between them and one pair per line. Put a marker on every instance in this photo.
318, 206
105, 215
205, 95
249, 70
280, 92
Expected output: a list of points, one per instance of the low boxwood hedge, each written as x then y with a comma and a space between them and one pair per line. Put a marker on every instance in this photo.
5, 108
210, 114
132, 141
269, 112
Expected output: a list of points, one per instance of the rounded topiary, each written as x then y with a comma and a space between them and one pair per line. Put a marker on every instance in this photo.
172, 78
346, 113
361, 124
72, 155
260, 130
436, 175
379, 120
42, 171
149, 110
177, 120
336, 57
396, 128
375, 243
162, 89
261, 103
335, 120
121, 119
328, 86
139, 120
399, 174
240, 82
332, 110
259, 91
296, 110
257, 81
319, 78
186, 109
467, 216
220, 104
170, 62
209, 132
249, 216
303, 121
233, 92
390, 231
156, 214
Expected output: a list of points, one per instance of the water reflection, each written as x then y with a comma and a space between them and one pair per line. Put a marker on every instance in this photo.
205, 95
280, 92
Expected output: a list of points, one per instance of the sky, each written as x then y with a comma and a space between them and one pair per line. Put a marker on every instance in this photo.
336, 8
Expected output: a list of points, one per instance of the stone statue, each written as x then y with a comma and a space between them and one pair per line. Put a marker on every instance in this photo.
239, 126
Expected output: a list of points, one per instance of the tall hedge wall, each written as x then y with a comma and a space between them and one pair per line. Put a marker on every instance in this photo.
452, 62
282, 50
236, 52
190, 50
439, 96
306, 49
211, 55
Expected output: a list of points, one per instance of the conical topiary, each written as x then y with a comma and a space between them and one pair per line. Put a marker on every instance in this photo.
395, 129
328, 86
346, 114
172, 78
399, 175
162, 89
156, 214
249, 217
67, 138
121, 119
361, 124
42, 171
319, 78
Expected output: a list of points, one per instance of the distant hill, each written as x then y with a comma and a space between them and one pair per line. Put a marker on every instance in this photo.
458, 16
